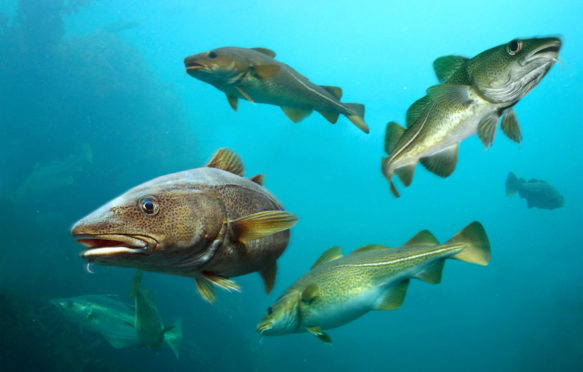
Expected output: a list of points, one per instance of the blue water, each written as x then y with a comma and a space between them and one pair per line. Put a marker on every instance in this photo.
101, 111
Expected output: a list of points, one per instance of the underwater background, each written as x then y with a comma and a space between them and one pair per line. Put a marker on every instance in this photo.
94, 100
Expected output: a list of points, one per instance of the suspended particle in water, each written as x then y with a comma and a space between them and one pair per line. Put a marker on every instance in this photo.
89, 268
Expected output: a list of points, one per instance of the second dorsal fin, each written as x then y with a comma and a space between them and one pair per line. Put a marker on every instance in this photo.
226, 160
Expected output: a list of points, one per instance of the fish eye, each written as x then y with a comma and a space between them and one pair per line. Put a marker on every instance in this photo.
269, 310
514, 47
212, 55
149, 206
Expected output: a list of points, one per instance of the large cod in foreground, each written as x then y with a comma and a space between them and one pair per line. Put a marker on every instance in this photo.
473, 95
340, 289
208, 223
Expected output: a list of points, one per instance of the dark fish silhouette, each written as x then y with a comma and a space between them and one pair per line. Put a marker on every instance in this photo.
538, 193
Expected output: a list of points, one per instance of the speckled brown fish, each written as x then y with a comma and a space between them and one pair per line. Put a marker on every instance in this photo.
254, 74
208, 223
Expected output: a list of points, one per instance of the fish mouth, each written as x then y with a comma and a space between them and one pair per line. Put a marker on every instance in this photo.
194, 66
264, 327
113, 245
547, 51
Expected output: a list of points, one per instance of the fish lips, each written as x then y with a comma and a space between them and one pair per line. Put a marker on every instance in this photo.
104, 246
264, 327
547, 51
192, 66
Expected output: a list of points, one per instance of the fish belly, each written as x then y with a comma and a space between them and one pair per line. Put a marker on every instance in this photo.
335, 314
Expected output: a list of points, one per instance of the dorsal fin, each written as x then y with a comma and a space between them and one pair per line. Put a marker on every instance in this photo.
417, 109
424, 237
335, 91
330, 254
258, 179
267, 52
393, 134
446, 66
226, 160
369, 248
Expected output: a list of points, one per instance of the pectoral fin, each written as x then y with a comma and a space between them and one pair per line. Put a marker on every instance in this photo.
262, 224
450, 95
268, 275
487, 129
310, 293
226, 160
432, 274
330, 254
446, 66
443, 163
265, 71
233, 101
510, 126
295, 114
394, 297
322, 336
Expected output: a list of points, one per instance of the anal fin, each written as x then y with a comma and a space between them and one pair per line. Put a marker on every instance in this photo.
331, 116
295, 114
405, 174
394, 297
432, 274
442, 163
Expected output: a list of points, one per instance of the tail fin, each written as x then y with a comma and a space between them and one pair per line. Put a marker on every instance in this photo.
173, 337
511, 184
384, 170
475, 240
136, 283
357, 115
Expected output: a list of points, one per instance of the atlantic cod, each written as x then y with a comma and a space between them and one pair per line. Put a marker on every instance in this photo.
208, 223
537, 193
473, 94
253, 74
340, 289
116, 321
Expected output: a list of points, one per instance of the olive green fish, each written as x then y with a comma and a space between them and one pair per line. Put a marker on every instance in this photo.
253, 74
473, 95
207, 223
340, 289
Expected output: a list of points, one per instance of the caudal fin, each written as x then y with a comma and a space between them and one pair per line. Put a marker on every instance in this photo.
173, 337
476, 245
511, 184
357, 115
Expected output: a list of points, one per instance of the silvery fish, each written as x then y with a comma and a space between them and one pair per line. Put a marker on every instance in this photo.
338, 289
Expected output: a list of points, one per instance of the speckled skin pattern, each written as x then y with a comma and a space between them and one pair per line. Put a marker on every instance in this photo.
190, 233
351, 286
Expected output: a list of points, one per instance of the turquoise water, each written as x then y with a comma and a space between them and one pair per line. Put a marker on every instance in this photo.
89, 109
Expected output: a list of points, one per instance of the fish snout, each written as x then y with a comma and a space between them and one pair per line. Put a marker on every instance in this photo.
192, 64
264, 327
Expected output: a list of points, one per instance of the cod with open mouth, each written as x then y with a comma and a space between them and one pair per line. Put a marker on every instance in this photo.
473, 95
208, 223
